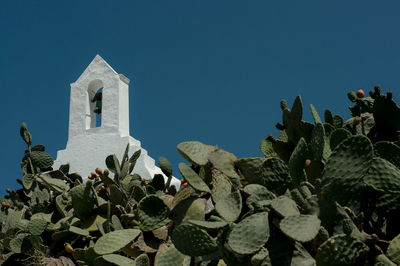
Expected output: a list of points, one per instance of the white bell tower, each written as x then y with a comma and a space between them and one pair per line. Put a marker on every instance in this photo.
92, 137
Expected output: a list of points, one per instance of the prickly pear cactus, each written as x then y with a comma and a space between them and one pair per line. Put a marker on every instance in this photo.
324, 193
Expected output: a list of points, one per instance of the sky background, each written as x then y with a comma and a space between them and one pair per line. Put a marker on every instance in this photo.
212, 71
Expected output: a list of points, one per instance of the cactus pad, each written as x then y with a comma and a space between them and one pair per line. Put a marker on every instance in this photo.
152, 212
317, 142
208, 225
230, 207
193, 178
250, 234
338, 136
341, 250
41, 159
296, 162
257, 193
383, 176
115, 240
37, 226
142, 260
393, 251
315, 115
344, 170
284, 206
388, 151
115, 259
165, 166
195, 152
83, 199
172, 257
192, 240
302, 228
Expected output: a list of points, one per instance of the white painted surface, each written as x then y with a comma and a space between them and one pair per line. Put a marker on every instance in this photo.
88, 145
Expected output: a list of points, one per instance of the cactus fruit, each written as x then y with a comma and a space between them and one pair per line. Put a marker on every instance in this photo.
356, 120
360, 93
99, 171
307, 163
106, 172
68, 248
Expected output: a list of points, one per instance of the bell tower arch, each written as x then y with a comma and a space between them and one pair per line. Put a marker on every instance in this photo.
90, 143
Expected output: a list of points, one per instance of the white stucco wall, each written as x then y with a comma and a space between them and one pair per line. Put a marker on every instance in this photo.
88, 146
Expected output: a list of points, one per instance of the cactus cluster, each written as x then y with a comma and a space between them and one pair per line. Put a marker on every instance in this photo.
325, 193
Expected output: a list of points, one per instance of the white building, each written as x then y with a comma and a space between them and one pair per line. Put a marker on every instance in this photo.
89, 143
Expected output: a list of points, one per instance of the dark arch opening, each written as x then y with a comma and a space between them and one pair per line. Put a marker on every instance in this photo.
94, 108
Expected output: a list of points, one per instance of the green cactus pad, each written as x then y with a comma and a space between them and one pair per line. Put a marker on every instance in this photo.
117, 197
56, 185
317, 142
284, 206
272, 173
250, 234
257, 193
342, 176
230, 207
158, 182
296, 162
383, 176
302, 228
193, 178
115, 259
78, 231
337, 121
113, 164
20, 243
298, 198
115, 240
387, 151
142, 260
27, 181
341, 250
165, 166
41, 159
224, 161
266, 147
323, 235
172, 257
328, 117
292, 118
315, 115
195, 152
152, 212
393, 251
221, 185
208, 225
83, 199
338, 136
37, 226
261, 258
192, 240
26, 136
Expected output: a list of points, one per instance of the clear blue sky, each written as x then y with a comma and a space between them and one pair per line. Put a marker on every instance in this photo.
212, 71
